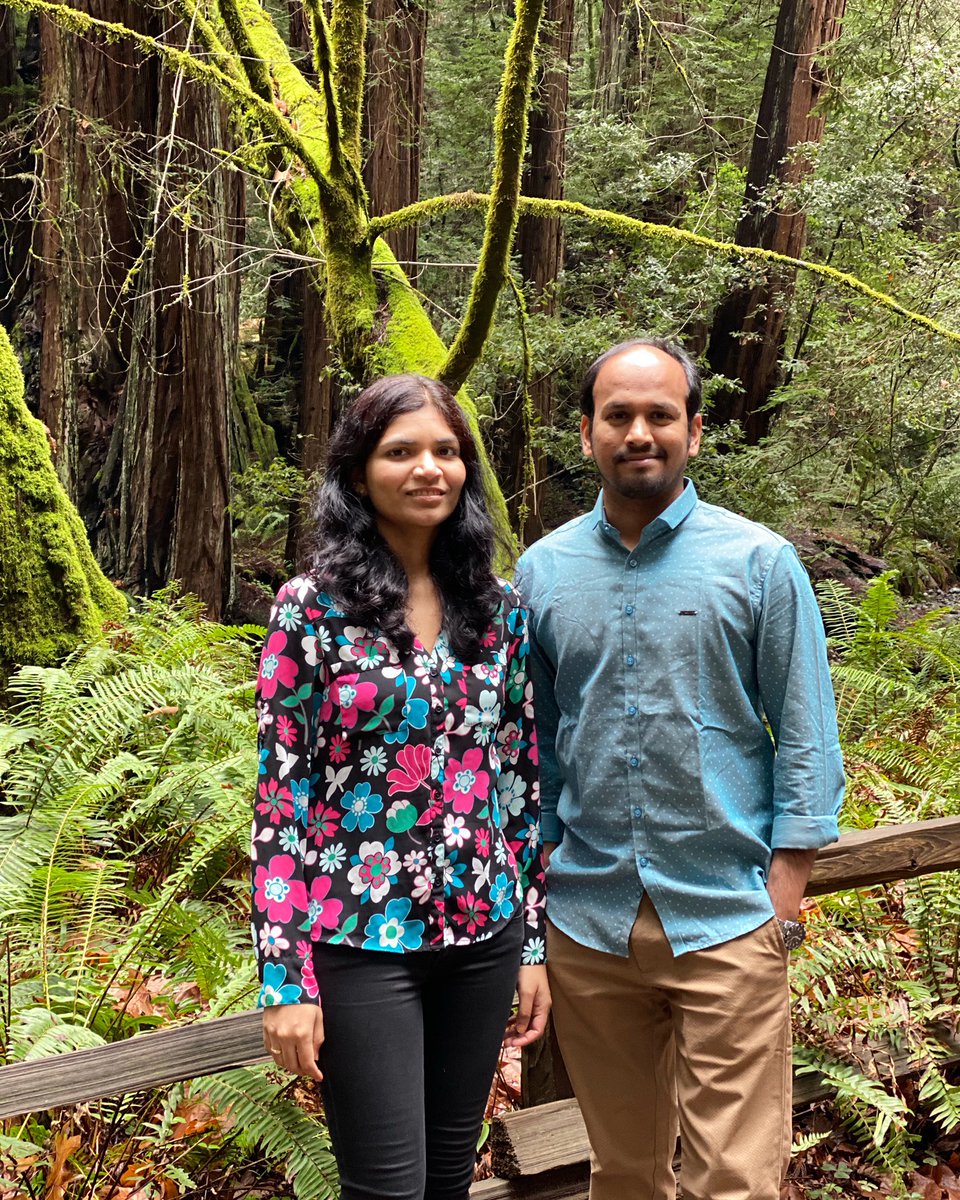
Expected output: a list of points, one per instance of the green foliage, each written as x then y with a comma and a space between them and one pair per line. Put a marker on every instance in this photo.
878, 975
125, 778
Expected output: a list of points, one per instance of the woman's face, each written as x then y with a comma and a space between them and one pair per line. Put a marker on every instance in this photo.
415, 474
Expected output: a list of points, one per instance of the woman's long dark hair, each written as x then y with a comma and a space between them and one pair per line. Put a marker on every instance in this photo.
350, 559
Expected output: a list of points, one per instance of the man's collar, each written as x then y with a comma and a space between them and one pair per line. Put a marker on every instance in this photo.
672, 516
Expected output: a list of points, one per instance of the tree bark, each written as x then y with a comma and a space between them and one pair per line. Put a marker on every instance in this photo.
540, 245
15, 164
618, 56
396, 44
175, 476
138, 336
87, 239
749, 327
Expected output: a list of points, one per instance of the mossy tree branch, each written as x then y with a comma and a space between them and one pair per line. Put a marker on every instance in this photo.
210, 39
233, 89
252, 64
348, 33
510, 137
632, 230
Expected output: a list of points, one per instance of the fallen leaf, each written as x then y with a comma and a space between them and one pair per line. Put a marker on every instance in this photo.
60, 1174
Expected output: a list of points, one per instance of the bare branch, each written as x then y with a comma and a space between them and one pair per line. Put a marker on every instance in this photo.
510, 137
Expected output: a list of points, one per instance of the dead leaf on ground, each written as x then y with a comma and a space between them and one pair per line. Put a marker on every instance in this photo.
60, 1172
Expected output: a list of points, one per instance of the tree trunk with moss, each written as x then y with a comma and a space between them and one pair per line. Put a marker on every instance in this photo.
52, 593
749, 327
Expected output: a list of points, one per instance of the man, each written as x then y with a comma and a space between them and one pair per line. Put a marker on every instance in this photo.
666, 636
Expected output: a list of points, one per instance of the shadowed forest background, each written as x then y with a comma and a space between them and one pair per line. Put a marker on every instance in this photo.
201, 261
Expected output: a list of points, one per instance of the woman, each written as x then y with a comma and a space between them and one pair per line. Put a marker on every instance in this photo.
396, 845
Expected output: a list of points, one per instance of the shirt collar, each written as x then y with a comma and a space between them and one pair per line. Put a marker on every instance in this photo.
669, 519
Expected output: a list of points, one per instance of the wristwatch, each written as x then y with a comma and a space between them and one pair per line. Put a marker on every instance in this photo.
793, 933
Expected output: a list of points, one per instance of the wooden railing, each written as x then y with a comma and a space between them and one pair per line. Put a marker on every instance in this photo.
547, 1142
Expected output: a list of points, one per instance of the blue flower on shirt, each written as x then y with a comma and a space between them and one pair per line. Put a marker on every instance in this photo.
360, 806
534, 952
275, 989
414, 714
264, 755
300, 794
390, 930
501, 897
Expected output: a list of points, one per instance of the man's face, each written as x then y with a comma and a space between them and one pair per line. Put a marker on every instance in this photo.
640, 438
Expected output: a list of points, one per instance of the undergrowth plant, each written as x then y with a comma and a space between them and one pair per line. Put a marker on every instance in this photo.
877, 984
125, 780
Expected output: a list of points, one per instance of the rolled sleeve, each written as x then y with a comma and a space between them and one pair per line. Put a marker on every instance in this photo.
797, 696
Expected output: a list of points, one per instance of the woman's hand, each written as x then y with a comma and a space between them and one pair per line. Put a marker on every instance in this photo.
533, 1007
293, 1035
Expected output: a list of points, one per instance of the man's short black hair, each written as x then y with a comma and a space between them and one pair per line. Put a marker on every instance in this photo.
694, 388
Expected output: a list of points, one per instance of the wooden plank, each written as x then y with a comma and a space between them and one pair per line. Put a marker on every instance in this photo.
145, 1061
534, 1140
887, 853
568, 1183
166, 1056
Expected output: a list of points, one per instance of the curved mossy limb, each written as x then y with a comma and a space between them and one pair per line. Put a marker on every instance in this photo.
409, 342
52, 593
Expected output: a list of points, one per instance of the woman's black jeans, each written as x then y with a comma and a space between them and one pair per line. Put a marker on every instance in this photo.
410, 1047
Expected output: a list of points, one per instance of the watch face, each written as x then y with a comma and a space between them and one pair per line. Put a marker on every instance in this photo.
793, 934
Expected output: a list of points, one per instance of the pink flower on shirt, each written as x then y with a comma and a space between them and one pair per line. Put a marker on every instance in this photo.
276, 891
351, 697
464, 783
275, 667
413, 767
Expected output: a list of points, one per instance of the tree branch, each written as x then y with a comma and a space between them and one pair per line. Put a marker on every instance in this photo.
253, 65
348, 35
510, 137
633, 230
210, 39
234, 90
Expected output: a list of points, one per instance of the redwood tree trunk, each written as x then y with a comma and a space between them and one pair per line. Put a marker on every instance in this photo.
138, 340
619, 55
749, 327
540, 246
15, 167
393, 114
175, 478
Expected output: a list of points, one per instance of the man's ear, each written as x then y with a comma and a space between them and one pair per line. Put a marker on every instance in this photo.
586, 424
693, 437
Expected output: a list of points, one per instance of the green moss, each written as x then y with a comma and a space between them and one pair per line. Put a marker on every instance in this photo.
410, 343
52, 593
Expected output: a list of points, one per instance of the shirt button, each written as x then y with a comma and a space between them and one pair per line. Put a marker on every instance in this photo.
629, 610
644, 862
632, 710
634, 761
630, 660
631, 562
638, 812
434, 672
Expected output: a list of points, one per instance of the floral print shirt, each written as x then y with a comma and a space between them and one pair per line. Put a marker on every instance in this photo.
398, 804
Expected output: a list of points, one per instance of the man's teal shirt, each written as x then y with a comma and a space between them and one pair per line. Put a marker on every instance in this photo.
659, 676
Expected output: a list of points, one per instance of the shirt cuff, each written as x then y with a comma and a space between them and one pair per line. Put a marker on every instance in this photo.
551, 827
803, 833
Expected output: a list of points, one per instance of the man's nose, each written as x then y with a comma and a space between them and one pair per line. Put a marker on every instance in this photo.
639, 430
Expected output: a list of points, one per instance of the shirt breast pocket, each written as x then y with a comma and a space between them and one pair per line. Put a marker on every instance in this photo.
672, 626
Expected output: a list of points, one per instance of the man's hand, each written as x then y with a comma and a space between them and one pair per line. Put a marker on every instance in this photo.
548, 849
534, 1005
293, 1035
787, 881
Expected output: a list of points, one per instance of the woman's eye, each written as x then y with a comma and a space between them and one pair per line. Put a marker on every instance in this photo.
448, 452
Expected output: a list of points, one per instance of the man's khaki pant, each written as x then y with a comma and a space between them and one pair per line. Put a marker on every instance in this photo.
698, 1044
